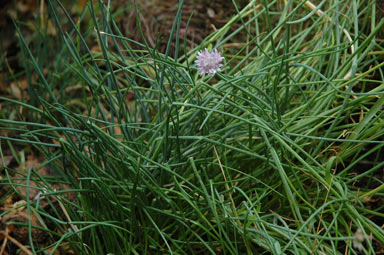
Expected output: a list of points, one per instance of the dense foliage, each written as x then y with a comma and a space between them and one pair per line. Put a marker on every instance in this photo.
278, 153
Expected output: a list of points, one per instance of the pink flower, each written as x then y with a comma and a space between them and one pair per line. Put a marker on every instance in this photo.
208, 62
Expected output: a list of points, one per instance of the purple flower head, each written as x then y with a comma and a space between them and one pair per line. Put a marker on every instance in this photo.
208, 62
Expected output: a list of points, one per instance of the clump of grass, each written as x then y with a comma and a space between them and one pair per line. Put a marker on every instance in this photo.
279, 153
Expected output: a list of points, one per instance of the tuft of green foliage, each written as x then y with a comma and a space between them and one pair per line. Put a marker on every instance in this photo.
279, 153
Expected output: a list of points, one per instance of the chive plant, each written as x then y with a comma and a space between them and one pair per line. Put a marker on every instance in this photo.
279, 152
